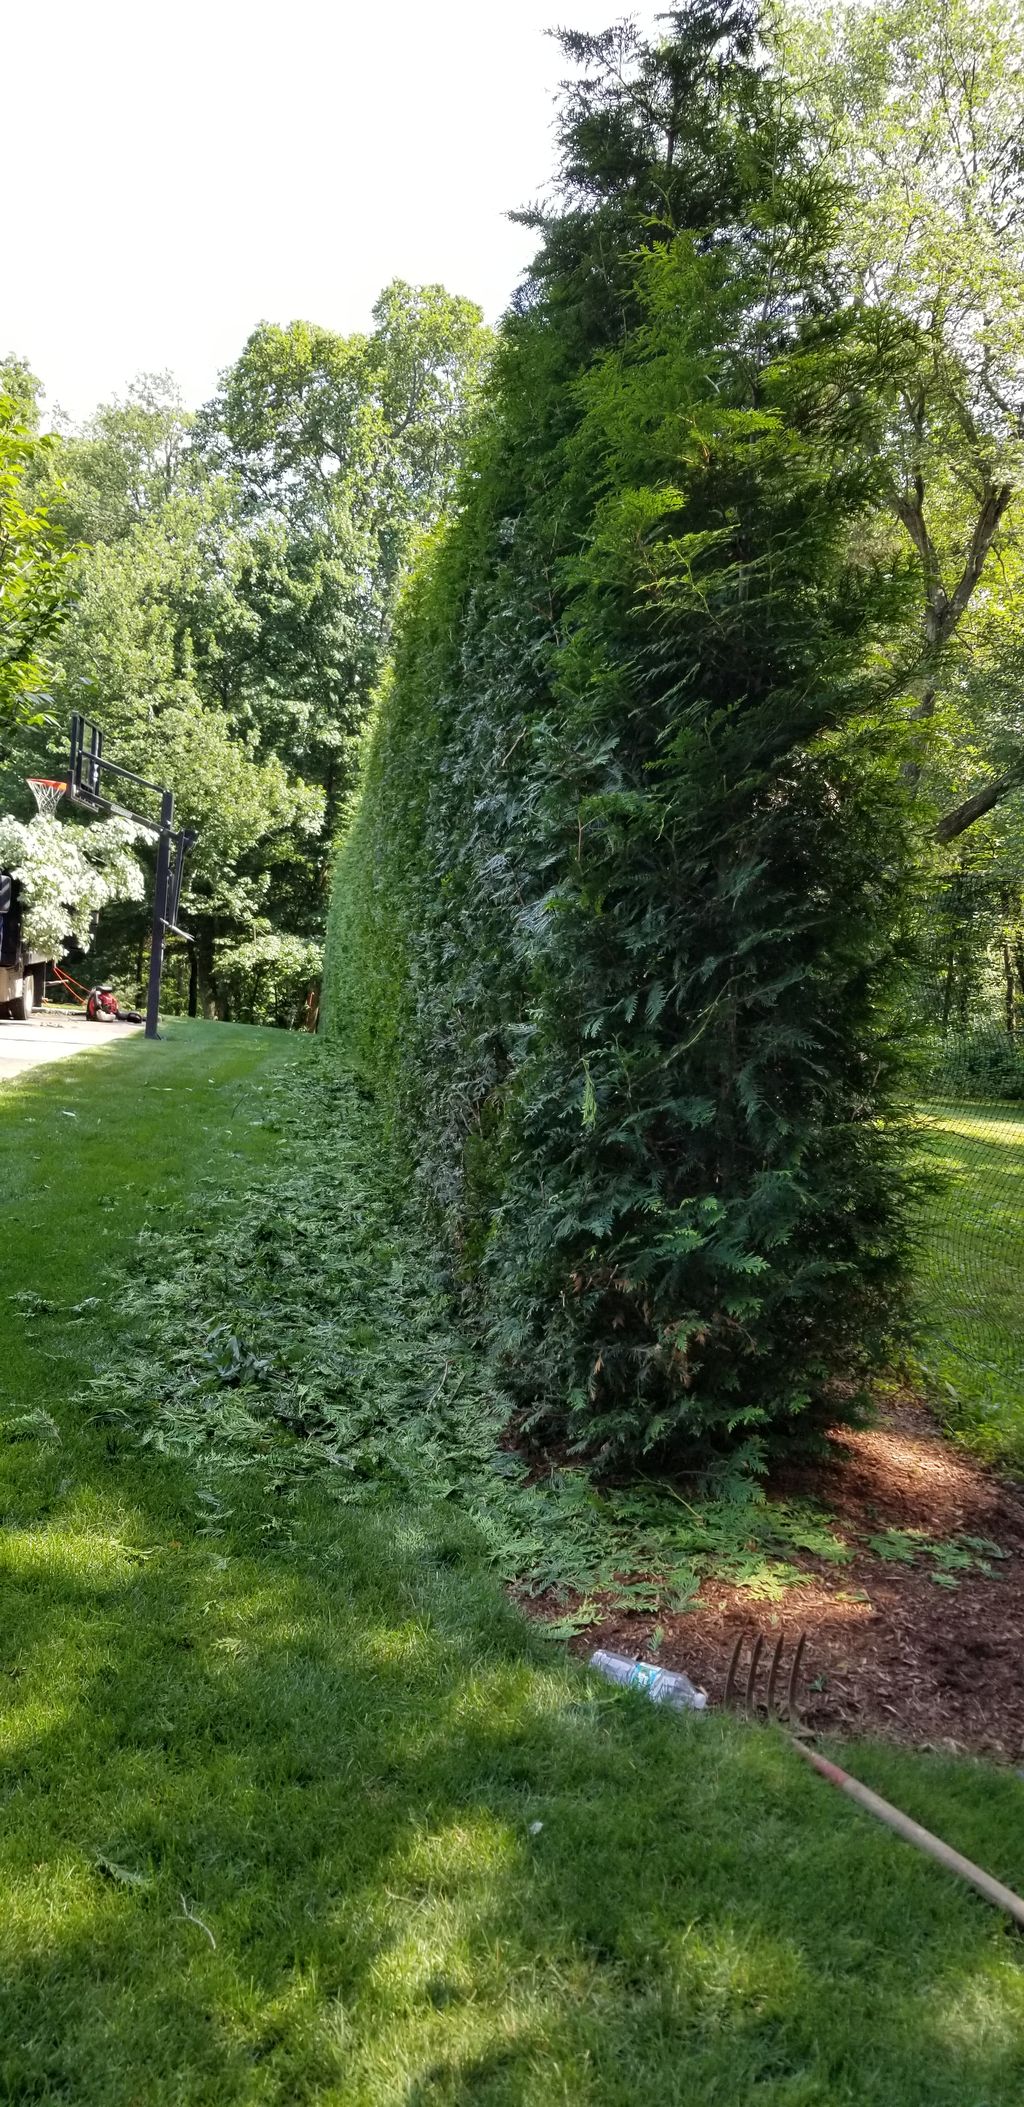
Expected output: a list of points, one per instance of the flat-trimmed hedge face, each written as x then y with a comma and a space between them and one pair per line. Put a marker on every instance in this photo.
612, 926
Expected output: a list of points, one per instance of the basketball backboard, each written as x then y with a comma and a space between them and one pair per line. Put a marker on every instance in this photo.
85, 761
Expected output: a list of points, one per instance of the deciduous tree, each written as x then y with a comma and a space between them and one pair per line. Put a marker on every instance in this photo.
918, 108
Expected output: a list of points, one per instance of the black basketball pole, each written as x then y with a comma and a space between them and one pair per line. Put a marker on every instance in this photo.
86, 764
163, 867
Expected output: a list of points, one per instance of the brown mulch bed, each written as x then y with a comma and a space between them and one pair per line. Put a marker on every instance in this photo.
914, 1662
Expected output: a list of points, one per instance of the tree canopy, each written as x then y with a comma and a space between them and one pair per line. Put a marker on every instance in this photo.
34, 564
236, 575
918, 108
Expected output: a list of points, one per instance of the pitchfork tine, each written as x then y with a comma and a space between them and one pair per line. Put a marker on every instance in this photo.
730, 1679
794, 1674
755, 1655
774, 1670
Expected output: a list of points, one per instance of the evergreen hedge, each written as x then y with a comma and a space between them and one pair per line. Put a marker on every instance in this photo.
612, 925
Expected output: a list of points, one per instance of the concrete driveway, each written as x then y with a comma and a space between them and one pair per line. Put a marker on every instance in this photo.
52, 1036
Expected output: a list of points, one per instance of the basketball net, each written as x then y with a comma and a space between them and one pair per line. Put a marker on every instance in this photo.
47, 791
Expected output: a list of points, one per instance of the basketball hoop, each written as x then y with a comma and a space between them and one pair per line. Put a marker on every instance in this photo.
47, 791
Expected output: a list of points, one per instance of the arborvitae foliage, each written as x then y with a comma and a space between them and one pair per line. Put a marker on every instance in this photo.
612, 924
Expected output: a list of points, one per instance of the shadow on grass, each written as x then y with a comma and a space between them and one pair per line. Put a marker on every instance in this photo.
331, 1759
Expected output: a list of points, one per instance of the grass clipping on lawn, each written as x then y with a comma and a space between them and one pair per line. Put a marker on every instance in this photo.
302, 1327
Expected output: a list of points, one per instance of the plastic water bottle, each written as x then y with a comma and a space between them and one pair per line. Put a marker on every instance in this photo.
664, 1686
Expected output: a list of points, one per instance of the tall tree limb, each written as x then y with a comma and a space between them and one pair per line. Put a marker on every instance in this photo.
978, 804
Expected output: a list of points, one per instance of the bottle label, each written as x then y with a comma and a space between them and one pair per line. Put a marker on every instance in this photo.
646, 1676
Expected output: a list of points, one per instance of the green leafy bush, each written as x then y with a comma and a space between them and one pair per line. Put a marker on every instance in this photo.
269, 978
611, 928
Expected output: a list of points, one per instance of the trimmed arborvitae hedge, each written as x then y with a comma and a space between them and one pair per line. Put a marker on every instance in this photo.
611, 929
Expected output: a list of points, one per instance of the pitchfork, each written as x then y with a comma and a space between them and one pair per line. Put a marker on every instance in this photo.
747, 1697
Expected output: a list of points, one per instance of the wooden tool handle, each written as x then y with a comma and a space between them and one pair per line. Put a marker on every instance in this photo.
894, 1818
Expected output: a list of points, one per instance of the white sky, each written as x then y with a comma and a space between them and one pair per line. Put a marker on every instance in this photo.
179, 173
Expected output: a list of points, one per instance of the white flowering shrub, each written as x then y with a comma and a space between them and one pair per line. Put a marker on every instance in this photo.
67, 874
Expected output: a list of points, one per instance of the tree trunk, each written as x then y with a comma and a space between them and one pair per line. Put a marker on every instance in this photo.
943, 611
947, 992
202, 967
976, 806
1008, 982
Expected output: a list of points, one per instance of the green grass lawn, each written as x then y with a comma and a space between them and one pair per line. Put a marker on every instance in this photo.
295, 1808
972, 1272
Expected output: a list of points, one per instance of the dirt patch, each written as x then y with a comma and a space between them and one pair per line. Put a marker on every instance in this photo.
890, 1650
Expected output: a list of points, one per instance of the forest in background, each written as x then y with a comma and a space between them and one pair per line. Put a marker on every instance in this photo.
656, 670
219, 588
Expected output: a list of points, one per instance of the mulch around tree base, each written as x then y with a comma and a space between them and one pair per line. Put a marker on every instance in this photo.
931, 1666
